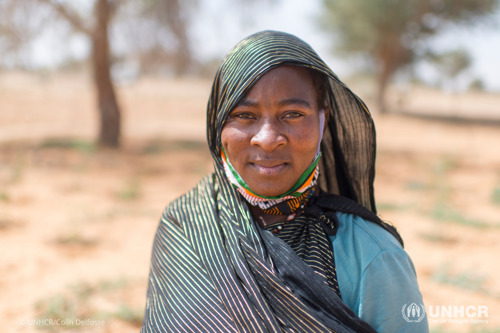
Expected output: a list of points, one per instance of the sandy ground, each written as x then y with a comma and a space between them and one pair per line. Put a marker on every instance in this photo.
77, 223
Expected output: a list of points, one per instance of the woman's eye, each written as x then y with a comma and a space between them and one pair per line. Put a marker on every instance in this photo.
293, 115
244, 116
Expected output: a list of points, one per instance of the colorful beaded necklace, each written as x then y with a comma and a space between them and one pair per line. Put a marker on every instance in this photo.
302, 205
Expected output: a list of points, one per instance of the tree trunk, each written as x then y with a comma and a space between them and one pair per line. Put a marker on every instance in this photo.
383, 81
109, 112
391, 56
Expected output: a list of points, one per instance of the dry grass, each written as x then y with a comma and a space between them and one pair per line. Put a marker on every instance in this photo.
104, 301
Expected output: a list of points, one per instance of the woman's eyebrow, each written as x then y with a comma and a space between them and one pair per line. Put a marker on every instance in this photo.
285, 102
250, 103
294, 101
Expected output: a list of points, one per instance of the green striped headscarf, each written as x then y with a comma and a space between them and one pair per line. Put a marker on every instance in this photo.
213, 269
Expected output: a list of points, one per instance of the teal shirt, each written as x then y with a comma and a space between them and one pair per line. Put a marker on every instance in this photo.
376, 276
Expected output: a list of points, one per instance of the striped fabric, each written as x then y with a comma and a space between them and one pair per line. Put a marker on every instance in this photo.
213, 269
306, 236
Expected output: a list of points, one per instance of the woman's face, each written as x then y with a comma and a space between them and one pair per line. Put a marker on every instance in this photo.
271, 137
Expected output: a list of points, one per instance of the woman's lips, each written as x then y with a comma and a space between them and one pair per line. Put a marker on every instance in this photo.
269, 171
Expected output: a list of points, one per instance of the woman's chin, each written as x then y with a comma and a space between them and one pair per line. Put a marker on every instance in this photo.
269, 192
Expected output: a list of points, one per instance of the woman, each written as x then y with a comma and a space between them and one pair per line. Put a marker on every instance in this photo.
283, 237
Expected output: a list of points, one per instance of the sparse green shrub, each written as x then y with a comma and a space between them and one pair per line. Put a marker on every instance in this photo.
132, 316
79, 145
465, 280
131, 190
77, 303
437, 238
4, 196
495, 197
75, 239
442, 212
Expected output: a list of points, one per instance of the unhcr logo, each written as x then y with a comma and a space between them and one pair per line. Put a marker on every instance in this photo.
449, 314
413, 313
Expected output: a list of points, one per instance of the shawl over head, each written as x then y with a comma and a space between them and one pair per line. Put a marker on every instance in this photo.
348, 145
213, 269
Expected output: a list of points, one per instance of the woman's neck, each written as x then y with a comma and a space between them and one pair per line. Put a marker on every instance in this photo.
264, 219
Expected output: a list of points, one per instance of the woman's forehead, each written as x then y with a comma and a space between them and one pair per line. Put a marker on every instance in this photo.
282, 84
286, 72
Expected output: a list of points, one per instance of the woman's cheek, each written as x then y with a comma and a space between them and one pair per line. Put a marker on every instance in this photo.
305, 139
235, 143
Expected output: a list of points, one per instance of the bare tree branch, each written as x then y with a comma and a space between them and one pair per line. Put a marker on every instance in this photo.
13, 32
73, 18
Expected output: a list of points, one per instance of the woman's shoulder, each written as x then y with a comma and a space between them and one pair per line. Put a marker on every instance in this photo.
203, 190
363, 223
364, 233
200, 198
376, 276
358, 243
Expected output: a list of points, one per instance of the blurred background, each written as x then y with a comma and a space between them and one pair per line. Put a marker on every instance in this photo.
102, 124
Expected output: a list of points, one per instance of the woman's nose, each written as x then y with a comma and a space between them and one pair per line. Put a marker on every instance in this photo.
268, 136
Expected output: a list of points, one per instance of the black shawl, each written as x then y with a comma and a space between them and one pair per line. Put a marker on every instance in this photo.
213, 269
